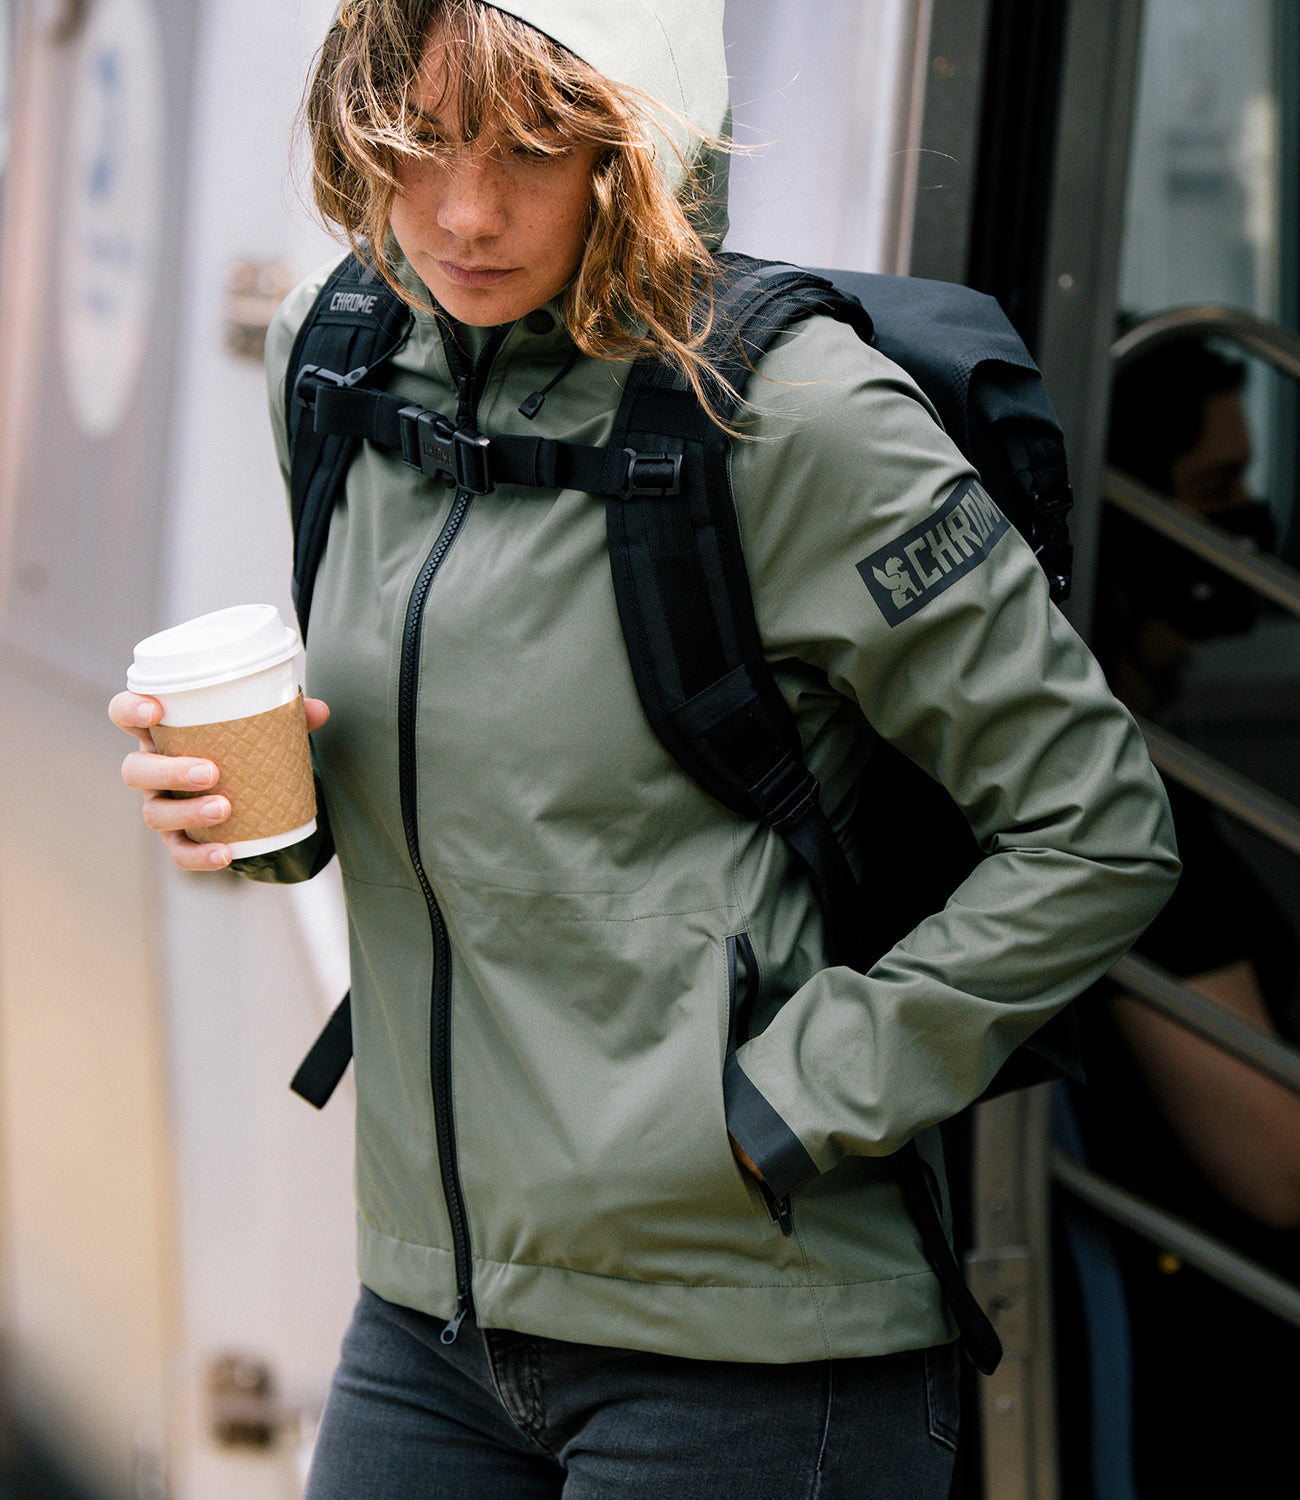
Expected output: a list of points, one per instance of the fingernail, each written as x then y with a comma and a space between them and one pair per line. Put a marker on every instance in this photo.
219, 856
143, 713
202, 775
215, 810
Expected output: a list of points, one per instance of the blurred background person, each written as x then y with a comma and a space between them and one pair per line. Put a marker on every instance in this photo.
1165, 1114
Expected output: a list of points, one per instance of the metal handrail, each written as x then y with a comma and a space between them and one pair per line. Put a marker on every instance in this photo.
1194, 1246
1238, 796
1279, 346
1164, 993
1270, 576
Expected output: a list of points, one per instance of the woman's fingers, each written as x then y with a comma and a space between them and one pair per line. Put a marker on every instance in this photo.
162, 779
191, 856
148, 771
136, 715
173, 785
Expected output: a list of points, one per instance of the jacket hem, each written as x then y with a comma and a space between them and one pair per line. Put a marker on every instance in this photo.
782, 1323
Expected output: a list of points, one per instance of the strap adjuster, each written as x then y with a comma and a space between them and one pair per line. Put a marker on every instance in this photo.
312, 376
440, 450
786, 792
650, 474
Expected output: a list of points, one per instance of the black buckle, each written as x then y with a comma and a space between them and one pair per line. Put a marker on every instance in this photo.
650, 474
304, 387
440, 450
1051, 503
310, 376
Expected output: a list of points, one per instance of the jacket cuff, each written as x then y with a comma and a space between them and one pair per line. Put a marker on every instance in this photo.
763, 1135
289, 866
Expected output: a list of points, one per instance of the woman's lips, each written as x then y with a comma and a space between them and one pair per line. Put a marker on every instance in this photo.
472, 275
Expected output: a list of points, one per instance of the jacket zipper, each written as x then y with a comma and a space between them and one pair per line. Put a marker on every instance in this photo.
469, 386
742, 986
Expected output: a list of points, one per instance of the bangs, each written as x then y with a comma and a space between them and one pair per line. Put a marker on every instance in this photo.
517, 82
501, 79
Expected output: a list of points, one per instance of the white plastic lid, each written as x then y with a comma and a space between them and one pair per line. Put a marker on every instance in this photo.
211, 649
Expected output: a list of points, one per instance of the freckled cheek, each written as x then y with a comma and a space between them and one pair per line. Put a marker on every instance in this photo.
575, 224
417, 198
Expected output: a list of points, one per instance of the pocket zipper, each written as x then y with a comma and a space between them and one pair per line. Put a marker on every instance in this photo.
742, 997
742, 986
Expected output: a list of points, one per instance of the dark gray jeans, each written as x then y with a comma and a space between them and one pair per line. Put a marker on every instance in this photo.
505, 1416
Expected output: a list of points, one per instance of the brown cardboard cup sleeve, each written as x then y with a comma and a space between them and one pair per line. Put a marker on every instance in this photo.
265, 767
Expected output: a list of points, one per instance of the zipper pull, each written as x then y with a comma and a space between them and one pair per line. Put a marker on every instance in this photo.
453, 1328
779, 1208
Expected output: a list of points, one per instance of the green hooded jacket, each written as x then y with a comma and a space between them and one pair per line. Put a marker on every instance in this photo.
574, 972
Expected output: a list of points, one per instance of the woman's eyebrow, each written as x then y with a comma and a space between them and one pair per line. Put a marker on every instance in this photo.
423, 117
437, 123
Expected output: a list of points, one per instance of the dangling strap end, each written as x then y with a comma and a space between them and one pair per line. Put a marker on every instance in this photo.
323, 1068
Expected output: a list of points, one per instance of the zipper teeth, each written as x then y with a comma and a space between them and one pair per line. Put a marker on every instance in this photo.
468, 388
439, 1045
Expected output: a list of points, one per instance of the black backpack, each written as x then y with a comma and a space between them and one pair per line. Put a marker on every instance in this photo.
683, 590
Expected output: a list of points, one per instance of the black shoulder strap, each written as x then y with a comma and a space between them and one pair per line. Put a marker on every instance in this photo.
355, 324
682, 587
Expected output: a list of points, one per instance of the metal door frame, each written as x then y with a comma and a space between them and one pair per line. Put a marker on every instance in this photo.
1068, 320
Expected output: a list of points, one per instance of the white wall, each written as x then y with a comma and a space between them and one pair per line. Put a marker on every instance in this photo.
164, 1199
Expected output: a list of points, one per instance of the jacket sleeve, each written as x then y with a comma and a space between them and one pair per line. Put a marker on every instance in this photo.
882, 569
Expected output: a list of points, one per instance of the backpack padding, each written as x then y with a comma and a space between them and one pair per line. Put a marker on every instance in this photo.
962, 350
356, 322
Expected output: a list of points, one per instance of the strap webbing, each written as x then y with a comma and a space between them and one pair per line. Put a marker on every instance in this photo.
430, 441
979, 1337
320, 1071
337, 335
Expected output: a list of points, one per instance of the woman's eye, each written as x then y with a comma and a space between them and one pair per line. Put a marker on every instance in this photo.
423, 134
534, 151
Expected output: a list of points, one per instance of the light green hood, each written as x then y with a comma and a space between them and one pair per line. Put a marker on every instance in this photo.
670, 50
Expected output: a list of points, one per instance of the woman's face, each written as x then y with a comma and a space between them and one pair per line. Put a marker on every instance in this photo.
491, 228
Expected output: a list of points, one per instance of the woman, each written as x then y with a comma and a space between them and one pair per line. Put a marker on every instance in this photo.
572, 1280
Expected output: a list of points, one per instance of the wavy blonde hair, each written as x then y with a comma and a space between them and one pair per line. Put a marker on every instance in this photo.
644, 284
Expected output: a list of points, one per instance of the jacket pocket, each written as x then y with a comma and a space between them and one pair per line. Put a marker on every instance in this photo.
742, 995
742, 988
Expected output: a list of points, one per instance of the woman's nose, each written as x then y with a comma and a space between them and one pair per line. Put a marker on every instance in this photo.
471, 204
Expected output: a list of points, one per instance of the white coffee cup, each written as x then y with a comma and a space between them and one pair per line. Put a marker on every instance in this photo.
229, 691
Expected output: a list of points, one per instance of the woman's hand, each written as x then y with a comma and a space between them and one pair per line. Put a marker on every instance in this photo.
742, 1156
160, 778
